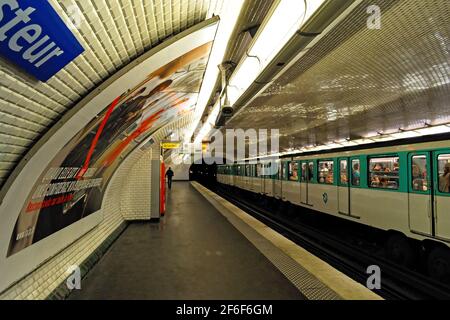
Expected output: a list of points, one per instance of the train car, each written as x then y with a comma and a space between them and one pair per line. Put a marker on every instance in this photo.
404, 190
407, 180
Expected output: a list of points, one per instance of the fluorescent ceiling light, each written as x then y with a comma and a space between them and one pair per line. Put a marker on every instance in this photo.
363, 141
228, 18
333, 145
433, 130
288, 17
405, 134
381, 138
209, 124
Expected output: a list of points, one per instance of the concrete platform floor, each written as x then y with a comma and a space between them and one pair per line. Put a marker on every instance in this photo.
194, 253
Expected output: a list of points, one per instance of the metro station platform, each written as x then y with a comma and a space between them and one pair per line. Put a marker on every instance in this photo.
206, 248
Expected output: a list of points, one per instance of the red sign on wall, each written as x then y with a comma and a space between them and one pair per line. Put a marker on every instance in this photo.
162, 190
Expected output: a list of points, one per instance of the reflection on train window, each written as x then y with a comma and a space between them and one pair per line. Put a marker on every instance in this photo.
247, 170
311, 171
384, 173
326, 172
356, 174
265, 169
419, 173
293, 171
284, 169
304, 172
444, 173
258, 170
280, 172
343, 169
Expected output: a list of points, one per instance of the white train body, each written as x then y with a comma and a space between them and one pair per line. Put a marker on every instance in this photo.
398, 188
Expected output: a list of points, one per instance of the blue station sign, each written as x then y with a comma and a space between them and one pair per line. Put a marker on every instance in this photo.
34, 37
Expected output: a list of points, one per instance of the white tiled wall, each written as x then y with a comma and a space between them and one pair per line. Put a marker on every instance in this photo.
133, 177
127, 198
136, 190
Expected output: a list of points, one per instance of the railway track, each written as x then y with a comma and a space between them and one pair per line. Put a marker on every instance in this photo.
397, 282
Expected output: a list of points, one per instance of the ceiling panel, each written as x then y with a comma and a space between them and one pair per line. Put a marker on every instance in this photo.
357, 81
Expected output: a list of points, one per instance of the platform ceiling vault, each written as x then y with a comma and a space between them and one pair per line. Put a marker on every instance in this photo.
114, 33
357, 81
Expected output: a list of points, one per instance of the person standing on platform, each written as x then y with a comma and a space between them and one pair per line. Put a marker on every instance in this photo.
169, 175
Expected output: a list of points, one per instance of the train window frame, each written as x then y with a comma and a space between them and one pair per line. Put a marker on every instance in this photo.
304, 174
352, 172
437, 174
258, 171
319, 162
411, 179
347, 171
370, 172
284, 170
291, 171
279, 174
311, 173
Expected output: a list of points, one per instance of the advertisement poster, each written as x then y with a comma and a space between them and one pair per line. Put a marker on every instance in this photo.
73, 185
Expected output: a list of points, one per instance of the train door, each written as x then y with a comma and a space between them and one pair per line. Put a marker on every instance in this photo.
269, 179
344, 186
304, 182
266, 179
259, 181
442, 194
420, 197
278, 180
307, 179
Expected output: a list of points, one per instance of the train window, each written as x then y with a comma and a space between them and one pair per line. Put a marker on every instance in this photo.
384, 173
419, 173
311, 171
444, 173
343, 169
356, 174
247, 170
326, 172
266, 169
304, 172
293, 171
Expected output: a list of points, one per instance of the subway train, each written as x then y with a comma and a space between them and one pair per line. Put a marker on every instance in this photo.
402, 189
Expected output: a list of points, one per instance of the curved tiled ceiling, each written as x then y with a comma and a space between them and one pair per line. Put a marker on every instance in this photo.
113, 33
356, 81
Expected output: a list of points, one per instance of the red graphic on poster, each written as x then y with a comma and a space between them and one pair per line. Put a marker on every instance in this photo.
162, 189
